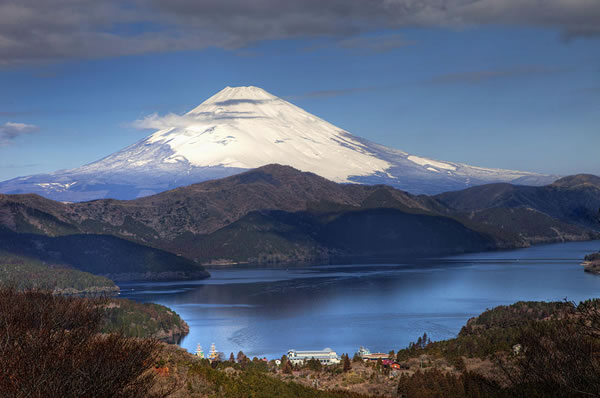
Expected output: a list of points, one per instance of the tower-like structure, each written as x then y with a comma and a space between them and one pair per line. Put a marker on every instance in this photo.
213, 355
199, 352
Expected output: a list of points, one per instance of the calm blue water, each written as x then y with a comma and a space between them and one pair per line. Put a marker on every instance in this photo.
265, 312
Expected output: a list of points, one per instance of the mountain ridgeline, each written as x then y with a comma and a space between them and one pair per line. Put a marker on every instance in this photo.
242, 128
277, 214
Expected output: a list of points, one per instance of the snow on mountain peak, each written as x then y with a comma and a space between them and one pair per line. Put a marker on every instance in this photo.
241, 128
240, 93
247, 127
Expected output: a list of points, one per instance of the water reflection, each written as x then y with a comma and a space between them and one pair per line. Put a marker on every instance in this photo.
383, 307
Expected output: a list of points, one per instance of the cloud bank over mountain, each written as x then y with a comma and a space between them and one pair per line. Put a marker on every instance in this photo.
34, 31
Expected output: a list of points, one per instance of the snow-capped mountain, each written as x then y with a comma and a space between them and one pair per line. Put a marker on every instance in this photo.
241, 128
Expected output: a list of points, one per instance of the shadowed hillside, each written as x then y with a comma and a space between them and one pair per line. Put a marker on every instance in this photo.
279, 214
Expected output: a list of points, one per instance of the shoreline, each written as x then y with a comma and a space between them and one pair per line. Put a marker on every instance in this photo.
378, 261
558, 255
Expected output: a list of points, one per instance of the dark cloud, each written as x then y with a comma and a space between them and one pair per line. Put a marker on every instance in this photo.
34, 30
474, 77
374, 44
9, 131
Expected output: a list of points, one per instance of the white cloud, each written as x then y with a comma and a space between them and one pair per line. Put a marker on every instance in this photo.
10, 130
156, 122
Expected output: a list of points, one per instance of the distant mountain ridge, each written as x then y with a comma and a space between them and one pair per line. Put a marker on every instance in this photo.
277, 214
242, 128
572, 199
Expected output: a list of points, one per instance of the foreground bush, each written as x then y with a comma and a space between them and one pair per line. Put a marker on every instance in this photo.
50, 346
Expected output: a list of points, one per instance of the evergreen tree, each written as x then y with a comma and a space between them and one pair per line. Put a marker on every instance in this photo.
347, 365
287, 367
240, 356
314, 364
379, 364
232, 358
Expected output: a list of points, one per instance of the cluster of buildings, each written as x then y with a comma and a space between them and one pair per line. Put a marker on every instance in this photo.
329, 357
386, 361
325, 356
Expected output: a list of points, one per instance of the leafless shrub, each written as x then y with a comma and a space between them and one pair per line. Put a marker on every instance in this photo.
50, 346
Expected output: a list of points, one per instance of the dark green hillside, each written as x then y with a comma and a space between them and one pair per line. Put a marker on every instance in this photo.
573, 200
497, 329
523, 226
259, 237
24, 273
592, 257
517, 314
359, 235
109, 256
144, 320
591, 263
391, 233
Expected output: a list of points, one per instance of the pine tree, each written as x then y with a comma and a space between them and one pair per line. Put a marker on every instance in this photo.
240, 356
232, 358
347, 364
287, 367
379, 364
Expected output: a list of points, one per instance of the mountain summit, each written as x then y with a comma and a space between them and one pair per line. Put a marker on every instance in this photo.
242, 128
246, 127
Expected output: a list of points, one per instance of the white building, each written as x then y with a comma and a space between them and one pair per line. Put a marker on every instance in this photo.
326, 356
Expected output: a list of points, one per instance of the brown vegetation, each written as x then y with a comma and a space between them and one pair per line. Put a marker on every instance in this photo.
50, 346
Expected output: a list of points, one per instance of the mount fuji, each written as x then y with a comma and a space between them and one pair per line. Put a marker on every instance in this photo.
242, 128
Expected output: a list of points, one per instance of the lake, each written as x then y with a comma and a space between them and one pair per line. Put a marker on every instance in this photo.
267, 311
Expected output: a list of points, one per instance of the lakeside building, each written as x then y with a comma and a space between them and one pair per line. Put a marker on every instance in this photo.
366, 355
362, 351
326, 356
375, 356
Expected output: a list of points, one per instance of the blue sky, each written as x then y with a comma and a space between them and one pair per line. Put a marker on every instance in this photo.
518, 94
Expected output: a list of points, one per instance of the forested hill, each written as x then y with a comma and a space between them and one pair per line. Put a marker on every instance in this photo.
112, 257
279, 214
21, 272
